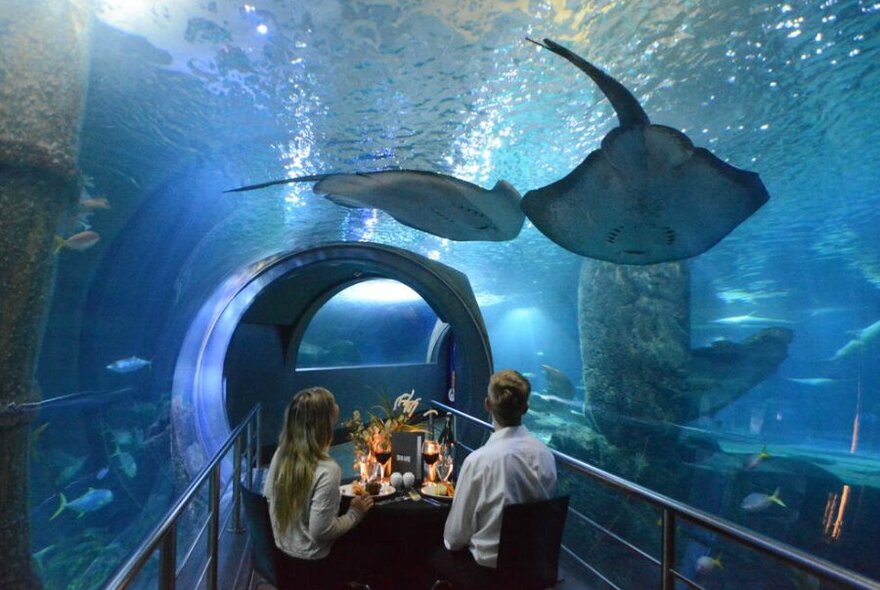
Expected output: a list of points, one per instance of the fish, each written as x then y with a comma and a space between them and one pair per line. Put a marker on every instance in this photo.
847, 350
72, 467
751, 320
35, 435
37, 432
129, 365
868, 334
438, 204
750, 297
648, 195
813, 381
102, 473
126, 462
40, 555
706, 565
79, 242
752, 461
820, 311
92, 500
804, 581
757, 502
558, 383
123, 437
92, 203
83, 219
862, 338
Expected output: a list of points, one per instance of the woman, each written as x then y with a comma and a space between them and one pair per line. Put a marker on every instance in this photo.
302, 488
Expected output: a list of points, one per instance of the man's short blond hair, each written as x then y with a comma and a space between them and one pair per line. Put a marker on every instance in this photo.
509, 393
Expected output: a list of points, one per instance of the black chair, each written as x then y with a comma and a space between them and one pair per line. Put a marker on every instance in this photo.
528, 551
263, 549
275, 566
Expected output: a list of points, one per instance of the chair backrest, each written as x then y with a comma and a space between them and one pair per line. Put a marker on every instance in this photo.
531, 537
256, 510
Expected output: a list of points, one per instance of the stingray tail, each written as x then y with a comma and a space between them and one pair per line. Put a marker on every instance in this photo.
628, 109
253, 187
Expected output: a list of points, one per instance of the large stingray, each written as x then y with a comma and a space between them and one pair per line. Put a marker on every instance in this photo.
648, 195
435, 203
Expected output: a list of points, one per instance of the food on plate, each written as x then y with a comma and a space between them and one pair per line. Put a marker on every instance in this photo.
372, 488
441, 488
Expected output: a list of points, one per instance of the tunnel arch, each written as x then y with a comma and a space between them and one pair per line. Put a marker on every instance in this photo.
295, 284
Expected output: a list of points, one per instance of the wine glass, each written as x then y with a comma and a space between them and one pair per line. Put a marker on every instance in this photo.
445, 467
363, 462
375, 472
382, 453
430, 454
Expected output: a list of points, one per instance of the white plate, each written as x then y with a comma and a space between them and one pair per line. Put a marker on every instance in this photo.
387, 490
434, 496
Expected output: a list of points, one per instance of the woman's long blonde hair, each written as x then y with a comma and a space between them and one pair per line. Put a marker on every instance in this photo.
304, 440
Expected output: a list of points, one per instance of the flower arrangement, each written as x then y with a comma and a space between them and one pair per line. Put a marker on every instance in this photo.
376, 430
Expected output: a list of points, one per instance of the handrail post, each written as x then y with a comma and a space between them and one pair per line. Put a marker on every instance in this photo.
250, 454
667, 562
168, 559
235, 526
259, 443
214, 534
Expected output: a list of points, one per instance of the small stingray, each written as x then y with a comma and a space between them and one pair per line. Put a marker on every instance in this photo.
435, 203
648, 195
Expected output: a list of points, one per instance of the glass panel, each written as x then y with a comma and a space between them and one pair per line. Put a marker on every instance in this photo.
594, 505
148, 578
770, 338
192, 531
101, 479
375, 322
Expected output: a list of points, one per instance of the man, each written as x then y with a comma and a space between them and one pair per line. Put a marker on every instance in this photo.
512, 467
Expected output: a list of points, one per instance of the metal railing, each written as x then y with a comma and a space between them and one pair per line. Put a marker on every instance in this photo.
164, 538
671, 511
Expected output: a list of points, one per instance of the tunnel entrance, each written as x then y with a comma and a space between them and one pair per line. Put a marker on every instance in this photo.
269, 331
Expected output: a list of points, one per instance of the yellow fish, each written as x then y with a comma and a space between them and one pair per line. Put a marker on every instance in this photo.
707, 564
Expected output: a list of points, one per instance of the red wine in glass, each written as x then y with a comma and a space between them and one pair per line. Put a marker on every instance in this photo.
430, 454
382, 456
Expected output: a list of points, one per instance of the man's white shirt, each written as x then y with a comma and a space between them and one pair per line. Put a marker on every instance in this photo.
511, 468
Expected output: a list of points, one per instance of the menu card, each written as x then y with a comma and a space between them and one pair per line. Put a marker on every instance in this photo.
406, 448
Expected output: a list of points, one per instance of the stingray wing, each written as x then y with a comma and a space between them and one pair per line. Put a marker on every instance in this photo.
435, 203
647, 196
439, 204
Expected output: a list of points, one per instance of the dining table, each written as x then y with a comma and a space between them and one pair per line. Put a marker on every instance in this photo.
393, 543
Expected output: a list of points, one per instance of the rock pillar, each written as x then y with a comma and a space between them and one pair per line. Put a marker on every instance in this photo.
43, 79
635, 344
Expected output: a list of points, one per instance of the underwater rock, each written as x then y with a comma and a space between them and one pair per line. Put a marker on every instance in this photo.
582, 443
44, 73
696, 448
641, 376
723, 372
